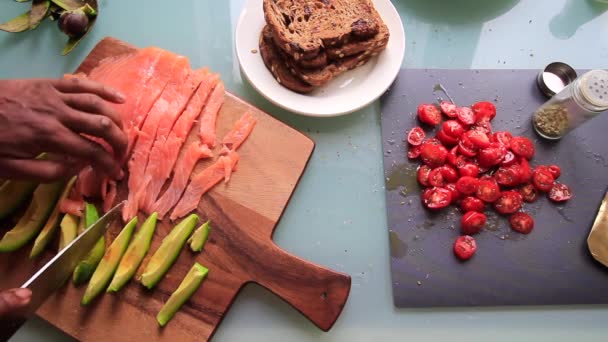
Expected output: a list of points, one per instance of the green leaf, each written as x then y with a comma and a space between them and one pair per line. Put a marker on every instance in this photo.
17, 24
69, 5
40, 9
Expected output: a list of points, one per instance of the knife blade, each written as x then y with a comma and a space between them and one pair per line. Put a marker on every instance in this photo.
54, 273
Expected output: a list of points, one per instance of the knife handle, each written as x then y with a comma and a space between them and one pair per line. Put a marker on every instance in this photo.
317, 292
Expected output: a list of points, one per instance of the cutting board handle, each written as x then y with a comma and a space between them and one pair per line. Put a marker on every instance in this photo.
317, 292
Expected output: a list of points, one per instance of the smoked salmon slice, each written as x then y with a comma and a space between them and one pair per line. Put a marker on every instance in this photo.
239, 133
183, 170
165, 152
203, 182
209, 115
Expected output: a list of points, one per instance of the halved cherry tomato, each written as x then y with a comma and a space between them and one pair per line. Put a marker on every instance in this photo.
542, 179
449, 109
471, 203
487, 191
478, 138
449, 173
555, 170
491, 155
413, 152
452, 128
472, 222
433, 155
488, 178
466, 150
436, 178
429, 114
508, 175
509, 202
416, 136
467, 185
528, 193
560, 192
469, 169
446, 139
483, 126
509, 159
452, 155
454, 191
503, 137
436, 198
521, 222
461, 161
484, 111
522, 147
465, 115
525, 175
423, 175
465, 247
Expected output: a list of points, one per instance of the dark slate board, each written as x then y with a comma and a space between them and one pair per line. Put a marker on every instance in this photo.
551, 265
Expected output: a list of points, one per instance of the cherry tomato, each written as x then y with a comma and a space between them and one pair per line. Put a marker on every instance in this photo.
525, 175
413, 152
542, 179
507, 175
446, 139
522, 147
467, 185
466, 150
491, 155
454, 191
416, 136
465, 247
429, 114
487, 191
555, 170
521, 223
469, 169
449, 109
503, 137
433, 155
465, 115
472, 222
509, 202
449, 173
509, 159
452, 128
471, 203
478, 139
423, 175
528, 193
451, 158
484, 111
483, 126
436, 178
436, 198
560, 192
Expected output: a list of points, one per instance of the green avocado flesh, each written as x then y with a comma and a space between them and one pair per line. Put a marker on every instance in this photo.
68, 230
13, 194
167, 253
108, 264
43, 201
51, 224
199, 237
186, 289
84, 270
135, 254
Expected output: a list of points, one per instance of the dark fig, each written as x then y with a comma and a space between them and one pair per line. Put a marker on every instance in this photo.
74, 23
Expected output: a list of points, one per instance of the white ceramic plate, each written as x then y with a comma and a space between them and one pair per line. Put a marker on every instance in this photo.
344, 94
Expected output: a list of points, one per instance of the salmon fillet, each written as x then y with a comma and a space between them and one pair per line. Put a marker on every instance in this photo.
164, 153
209, 115
239, 132
203, 182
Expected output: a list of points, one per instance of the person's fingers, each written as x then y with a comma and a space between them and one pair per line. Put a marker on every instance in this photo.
35, 169
82, 85
13, 300
93, 104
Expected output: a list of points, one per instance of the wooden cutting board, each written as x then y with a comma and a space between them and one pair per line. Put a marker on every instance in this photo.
240, 250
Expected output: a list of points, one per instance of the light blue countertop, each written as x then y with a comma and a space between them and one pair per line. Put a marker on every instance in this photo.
337, 214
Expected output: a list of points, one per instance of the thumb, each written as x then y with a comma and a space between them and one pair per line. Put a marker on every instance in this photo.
13, 300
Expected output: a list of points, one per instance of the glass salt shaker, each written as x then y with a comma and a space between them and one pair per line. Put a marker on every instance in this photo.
581, 100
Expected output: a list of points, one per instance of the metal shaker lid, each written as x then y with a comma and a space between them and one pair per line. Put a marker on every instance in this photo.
555, 77
594, 87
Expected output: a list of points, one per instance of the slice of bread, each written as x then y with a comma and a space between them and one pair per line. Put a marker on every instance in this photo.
303, 28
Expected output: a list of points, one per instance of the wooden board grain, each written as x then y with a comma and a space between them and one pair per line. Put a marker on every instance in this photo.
240, 250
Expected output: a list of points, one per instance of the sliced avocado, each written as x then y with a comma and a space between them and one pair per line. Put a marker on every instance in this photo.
69, 229
199, 237
167, 253
135, 254
51, 224
107, 266
43, 201
192, 281
13, 194
84, 270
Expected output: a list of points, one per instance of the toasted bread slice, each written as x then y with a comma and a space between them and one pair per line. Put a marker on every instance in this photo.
302, 28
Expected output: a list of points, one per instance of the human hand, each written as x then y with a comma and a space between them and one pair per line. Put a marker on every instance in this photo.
45, 115
14, 300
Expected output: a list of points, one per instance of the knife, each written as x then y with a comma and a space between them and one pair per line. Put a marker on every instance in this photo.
597, 241
54, 273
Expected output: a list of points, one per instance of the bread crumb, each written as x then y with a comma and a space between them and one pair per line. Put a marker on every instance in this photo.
254, 50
